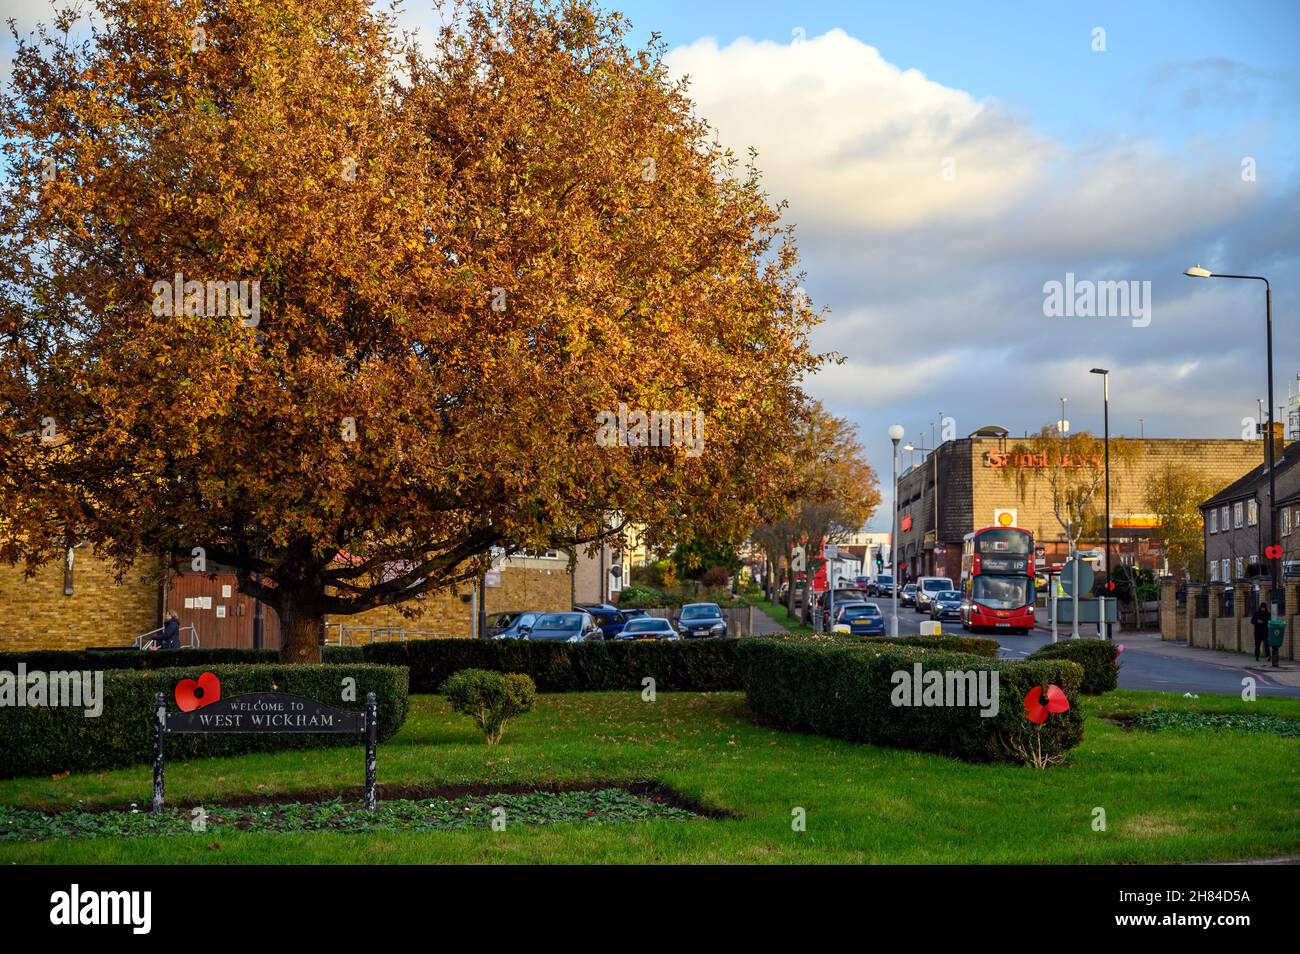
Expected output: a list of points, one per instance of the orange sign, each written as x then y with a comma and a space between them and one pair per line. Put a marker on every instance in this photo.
907, 521
1003, 459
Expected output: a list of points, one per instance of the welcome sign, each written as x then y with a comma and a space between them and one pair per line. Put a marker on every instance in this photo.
267, 712
204, 710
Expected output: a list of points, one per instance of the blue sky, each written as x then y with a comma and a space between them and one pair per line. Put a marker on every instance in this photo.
1125, 164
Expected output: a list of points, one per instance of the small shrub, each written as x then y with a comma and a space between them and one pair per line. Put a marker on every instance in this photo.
1098, 657
490, 698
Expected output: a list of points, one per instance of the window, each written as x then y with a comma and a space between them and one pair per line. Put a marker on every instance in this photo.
1223, 517
1254, 559
1238, 514
1227, 570
1214, 571
1252, 511
1286, 522
1240, 567
1214, 521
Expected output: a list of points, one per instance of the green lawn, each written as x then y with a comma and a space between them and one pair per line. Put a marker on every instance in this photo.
779, 613
1169, 796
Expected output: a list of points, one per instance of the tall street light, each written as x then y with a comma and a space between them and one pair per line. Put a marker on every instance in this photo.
1105, 391
895, 435
1197, 272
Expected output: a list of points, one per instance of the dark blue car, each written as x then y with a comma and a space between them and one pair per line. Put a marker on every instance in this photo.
860, 619
609, 618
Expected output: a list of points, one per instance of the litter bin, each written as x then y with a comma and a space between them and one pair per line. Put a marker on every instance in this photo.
1276, 634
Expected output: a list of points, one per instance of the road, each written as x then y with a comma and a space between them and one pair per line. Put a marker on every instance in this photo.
1138, 670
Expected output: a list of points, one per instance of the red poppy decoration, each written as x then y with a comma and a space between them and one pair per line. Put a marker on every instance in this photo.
194, 694
1037, 711
1273, 552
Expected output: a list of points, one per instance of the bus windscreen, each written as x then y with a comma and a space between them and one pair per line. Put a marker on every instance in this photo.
1004, 543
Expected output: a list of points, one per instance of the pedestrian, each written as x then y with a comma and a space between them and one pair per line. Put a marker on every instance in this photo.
1260, 619
171, 634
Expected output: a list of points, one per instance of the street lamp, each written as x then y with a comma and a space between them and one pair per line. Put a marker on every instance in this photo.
1105, 379
895, 435
1197, 272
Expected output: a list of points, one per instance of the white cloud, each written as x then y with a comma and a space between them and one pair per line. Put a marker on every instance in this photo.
855, 141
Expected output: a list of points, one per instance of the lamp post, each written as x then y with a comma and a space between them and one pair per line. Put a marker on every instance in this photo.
895, 435
1105, 397
1197, 272
1105, 391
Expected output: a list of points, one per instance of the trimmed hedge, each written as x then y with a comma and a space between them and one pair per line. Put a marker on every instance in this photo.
53, 660
695, 665
845, 691
975, 645
1099, 659
50, 740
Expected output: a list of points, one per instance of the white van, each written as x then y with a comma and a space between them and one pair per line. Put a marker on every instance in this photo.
927, 587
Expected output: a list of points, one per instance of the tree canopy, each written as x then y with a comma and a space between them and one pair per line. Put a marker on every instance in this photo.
345, 312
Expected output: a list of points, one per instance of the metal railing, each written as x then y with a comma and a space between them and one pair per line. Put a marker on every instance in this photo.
362, 635
146, 640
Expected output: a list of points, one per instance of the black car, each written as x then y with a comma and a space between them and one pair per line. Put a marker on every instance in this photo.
564, 628
514, 625
945, 604
698, 620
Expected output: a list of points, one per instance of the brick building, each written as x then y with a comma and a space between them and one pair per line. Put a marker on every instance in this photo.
79, 604
964, 485
1237, 520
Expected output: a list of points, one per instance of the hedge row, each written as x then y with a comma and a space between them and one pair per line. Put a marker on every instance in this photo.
54, 660
695, 665
48, 740
1098, 657
846, 691
976, 645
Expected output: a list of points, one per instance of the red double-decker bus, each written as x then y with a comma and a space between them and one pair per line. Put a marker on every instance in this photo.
997, 580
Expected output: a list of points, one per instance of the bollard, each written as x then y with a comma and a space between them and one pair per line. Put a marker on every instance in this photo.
159, 751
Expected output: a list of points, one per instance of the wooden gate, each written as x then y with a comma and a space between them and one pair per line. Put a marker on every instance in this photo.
221, 614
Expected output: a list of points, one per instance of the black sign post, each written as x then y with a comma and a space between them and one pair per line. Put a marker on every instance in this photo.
275, 712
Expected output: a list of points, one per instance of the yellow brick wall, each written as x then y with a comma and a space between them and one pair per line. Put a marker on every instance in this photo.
35, 613
444, 613
1219, 461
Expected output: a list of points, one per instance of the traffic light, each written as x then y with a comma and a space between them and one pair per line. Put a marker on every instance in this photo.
880, 560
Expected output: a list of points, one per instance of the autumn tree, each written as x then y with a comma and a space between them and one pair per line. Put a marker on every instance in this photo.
1175, 496
1072, 468
344, 313
834, 494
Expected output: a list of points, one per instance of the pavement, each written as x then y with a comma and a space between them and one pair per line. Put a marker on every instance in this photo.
1147, 662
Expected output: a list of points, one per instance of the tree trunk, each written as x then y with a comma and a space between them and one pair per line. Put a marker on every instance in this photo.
789, 593
302, 630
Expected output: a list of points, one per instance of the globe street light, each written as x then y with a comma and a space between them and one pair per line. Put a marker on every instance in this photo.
1197, 272
895, 435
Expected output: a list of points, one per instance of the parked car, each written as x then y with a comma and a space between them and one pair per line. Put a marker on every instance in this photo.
859, 618
510, 625
798, 593
927, 587
609, 618
907, 596
701, 620
631, 614
564, 628
649, 627
882, 585
842, 594
946, 605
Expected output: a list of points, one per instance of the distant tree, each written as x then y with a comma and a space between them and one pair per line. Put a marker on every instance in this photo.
1174, 496
1073, 471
